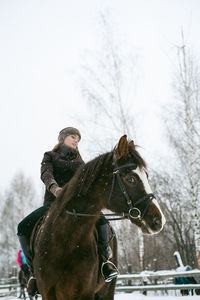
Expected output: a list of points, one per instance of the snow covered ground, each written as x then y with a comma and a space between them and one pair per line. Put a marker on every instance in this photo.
151, 295
135, 296
142, 297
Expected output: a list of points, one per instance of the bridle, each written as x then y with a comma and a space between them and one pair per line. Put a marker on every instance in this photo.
134, 212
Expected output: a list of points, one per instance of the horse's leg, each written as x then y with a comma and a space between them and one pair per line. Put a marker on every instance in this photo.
76, 296
107, 292
50, 295
88, 297
67, 293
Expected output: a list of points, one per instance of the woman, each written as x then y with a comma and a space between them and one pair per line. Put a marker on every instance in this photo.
21, 261
57, 168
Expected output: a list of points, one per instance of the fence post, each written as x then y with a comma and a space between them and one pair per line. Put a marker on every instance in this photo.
155, 269
144, 292
129, 272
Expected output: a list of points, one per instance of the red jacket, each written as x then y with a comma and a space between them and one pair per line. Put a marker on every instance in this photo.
19, 259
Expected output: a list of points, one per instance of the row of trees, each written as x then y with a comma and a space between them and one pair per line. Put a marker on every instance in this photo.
108, 89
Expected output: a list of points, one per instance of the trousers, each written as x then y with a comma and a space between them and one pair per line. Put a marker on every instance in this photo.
25, 227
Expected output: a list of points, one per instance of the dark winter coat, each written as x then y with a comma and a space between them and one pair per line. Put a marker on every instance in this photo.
58, 167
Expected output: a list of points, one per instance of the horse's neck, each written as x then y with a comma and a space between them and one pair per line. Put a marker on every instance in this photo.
90, 204
89, 201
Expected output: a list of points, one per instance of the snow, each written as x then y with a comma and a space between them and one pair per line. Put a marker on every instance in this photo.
136, 296
142, 297
151, 295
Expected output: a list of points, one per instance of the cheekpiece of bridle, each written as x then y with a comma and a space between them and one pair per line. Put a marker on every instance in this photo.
133, 212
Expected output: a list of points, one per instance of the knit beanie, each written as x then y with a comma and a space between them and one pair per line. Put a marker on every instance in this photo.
67, 131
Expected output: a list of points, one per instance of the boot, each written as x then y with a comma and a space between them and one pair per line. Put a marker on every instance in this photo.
31, 280
108, 269
32, 286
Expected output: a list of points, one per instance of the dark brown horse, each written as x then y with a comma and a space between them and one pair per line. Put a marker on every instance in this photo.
66, 261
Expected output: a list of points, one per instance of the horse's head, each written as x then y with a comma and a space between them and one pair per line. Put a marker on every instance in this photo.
130, 192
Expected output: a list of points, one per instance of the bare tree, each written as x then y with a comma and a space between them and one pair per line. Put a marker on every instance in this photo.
178, 233
109, 88
183, 130
127, 236
19, 200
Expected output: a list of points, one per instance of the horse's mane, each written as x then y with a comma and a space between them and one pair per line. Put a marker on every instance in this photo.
84, 178
87, 174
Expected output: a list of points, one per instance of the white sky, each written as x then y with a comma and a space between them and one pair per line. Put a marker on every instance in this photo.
42, 45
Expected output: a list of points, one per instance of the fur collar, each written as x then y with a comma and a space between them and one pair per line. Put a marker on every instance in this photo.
67, 152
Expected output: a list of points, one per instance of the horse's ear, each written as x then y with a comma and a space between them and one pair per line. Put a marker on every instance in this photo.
132, 145
122, 148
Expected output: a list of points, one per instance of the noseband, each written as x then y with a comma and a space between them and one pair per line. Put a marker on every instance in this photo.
134, 212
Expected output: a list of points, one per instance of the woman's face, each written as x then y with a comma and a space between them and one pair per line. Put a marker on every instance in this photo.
72, 141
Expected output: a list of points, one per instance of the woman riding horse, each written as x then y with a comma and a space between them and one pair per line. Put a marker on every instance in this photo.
57, 168
65, 261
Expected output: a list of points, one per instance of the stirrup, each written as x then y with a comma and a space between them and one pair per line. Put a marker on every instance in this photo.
32, 286
30, 278
114, 275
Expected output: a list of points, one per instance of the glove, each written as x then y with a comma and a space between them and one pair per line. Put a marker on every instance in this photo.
55, 189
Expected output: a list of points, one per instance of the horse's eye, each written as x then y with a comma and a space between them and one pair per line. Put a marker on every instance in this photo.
131, 179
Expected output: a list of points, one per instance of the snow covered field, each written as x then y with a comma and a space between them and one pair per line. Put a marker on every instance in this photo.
142, 297
135, 296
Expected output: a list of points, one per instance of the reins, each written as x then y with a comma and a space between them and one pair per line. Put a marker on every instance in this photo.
121, 216
133, 213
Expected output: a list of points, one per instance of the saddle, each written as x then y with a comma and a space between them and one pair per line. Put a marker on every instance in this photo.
36, 228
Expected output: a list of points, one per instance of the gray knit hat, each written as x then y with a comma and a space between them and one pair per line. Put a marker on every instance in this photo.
67, 131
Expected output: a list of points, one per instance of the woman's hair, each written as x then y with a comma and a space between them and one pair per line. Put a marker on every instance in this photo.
56, 147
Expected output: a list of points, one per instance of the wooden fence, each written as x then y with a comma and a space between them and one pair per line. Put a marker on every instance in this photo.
8, 290
145, 281
155, 281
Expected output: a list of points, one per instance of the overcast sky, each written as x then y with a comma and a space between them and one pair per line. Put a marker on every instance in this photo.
43, 43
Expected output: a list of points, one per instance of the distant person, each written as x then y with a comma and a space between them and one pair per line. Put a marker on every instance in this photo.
21, 261
57, 168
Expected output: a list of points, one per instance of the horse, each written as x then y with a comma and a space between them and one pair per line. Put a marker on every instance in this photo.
66, 261
23, 284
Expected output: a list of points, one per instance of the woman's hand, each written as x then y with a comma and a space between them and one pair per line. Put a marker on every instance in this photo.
55, 190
